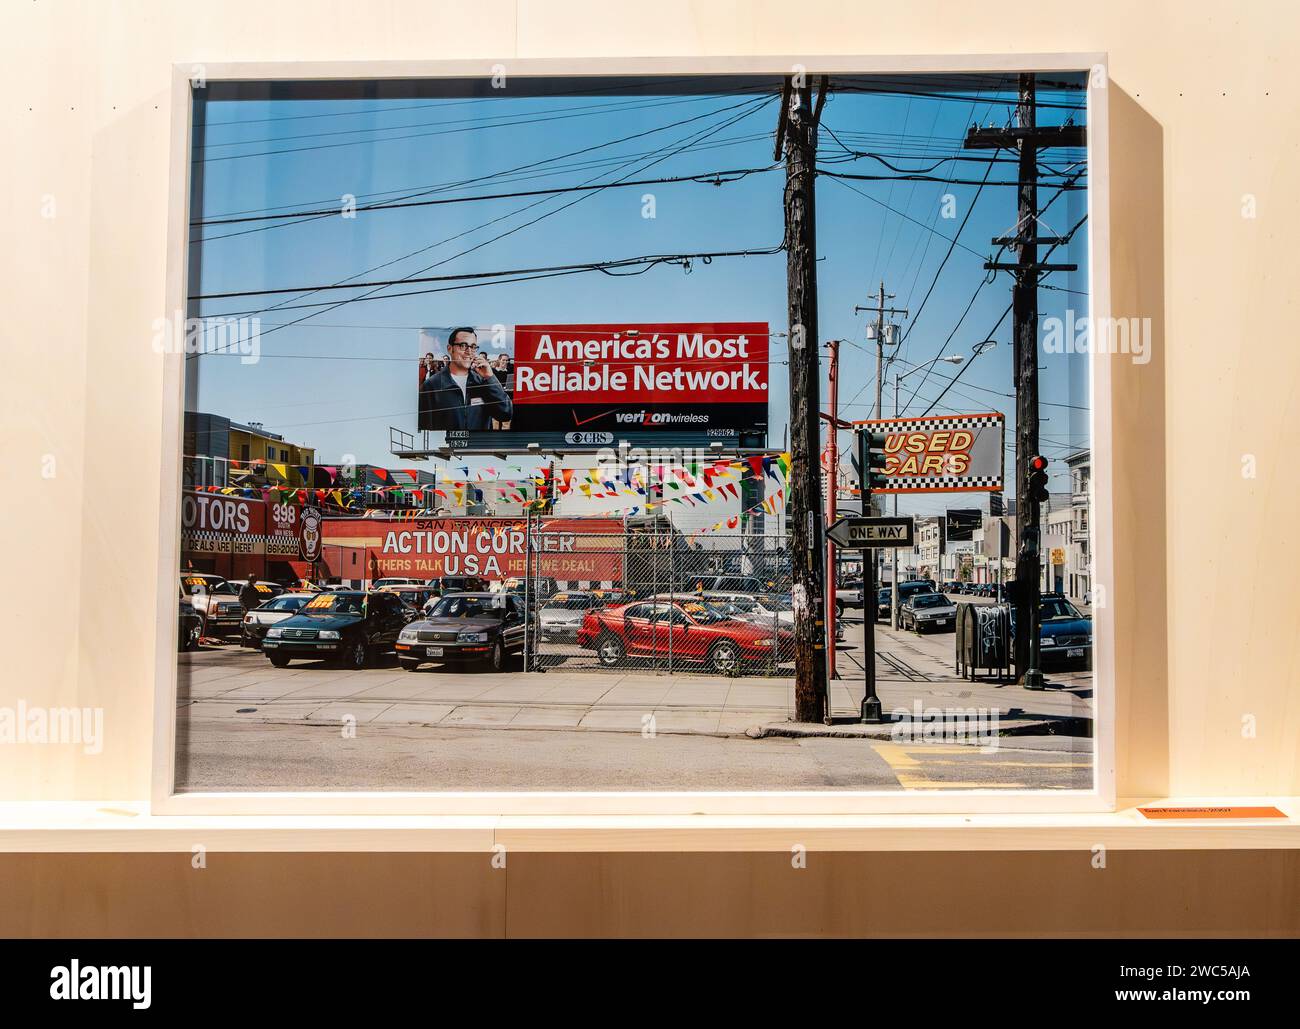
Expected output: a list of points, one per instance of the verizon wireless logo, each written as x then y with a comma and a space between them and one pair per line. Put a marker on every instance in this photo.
659, 418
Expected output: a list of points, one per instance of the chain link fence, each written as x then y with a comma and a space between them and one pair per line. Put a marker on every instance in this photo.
656, 600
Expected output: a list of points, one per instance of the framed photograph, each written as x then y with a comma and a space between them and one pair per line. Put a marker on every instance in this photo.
639, 437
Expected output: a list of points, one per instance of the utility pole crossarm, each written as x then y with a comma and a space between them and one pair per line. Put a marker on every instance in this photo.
1010, 137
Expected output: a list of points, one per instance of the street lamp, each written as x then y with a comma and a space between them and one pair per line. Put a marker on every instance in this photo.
893, 588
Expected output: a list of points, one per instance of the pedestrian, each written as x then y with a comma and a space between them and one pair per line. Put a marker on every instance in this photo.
250, 596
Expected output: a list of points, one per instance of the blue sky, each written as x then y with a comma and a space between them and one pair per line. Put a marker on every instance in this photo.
338, 380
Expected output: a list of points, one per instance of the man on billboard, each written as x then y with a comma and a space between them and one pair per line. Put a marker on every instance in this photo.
466, 393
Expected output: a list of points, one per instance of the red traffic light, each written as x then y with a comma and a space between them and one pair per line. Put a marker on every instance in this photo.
1037, 463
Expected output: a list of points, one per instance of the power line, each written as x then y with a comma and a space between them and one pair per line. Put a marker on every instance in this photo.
477, 122
521, 167
970, 209
933, 178
982, 283
713, 178
750, 107
648, 86
649, 259
914, 221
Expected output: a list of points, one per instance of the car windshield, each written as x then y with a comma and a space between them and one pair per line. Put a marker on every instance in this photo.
705, 614
929, 600
284, 604
570, 602
468, 607
224, 587
335, 604
1058, 607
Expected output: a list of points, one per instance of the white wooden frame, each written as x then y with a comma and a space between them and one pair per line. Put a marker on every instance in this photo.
582, 805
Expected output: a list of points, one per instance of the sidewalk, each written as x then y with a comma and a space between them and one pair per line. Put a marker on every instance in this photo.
228, 687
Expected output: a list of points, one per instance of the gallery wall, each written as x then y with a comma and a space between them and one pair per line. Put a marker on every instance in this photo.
1205, 209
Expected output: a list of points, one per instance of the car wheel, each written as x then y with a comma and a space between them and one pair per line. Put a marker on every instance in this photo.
497, 659
725, 658
409, 666
610, 650
354, 655
279, 660
839, 609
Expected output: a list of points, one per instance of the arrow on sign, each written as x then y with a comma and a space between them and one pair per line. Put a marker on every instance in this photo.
871, 533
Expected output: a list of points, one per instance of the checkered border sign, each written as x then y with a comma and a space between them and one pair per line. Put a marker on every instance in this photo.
945, 483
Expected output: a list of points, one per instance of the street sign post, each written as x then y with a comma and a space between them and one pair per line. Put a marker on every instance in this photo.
865, 533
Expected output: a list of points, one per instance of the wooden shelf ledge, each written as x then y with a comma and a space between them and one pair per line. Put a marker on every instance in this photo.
109, 827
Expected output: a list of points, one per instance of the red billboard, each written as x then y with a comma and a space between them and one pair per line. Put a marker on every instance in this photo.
577, 383
567, 549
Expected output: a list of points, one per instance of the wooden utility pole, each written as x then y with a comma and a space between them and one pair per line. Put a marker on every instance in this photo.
797, 132
1024, 317
1027, 138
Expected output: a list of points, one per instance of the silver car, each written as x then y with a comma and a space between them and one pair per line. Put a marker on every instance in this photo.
277, 609
562, 614
928, 612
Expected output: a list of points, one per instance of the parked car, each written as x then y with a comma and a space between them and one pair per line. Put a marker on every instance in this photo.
273, 612
460, 584
541, 586
906, 590
729, 584
764, 608
561, 615
928, 612
849, 594
216, 601
480, 627
348, 626
1065, 633
691, 631
952, 587
394, 580
189, 625
416, 595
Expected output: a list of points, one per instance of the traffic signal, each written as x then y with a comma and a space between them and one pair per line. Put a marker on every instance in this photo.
1038, 479
871, 446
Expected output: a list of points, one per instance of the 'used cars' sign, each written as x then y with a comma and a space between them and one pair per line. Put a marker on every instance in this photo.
944, 454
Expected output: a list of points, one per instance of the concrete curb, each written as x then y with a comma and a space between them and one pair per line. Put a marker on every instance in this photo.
1071, 727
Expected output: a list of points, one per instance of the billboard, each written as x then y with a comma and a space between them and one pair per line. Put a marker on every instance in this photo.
961, 523
566, 549
594, 384
960, 453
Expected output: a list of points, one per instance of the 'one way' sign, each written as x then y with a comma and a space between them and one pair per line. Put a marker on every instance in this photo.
871, 533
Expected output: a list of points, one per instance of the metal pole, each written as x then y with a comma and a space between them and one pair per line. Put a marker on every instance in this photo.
833, 462
672, 597
528, 587
871, 707
893, 588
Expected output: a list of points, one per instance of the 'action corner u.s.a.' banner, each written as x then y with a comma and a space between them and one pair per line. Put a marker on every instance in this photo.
960, 453
588, 384
564, 549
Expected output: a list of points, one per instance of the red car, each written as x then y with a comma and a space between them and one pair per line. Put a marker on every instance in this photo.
688, 630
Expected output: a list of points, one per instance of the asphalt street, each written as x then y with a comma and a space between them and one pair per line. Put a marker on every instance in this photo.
243, 725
